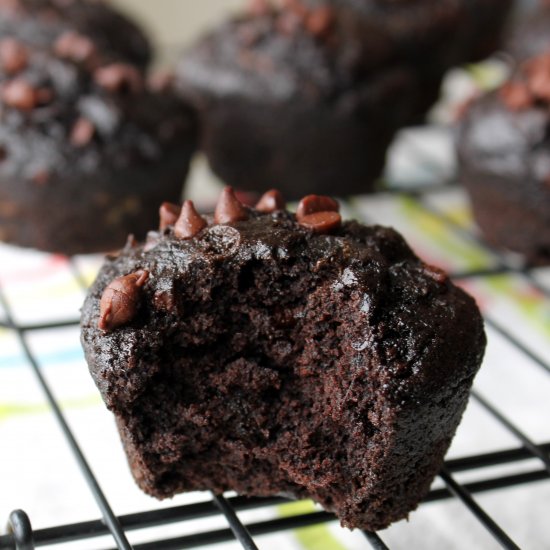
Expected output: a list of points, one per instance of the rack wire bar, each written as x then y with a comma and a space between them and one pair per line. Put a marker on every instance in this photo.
21, 529
517, 344
463, 494
177, 514
106, 511
238, 529
375, 541
22, 537
530, 445
265, 527
41, 326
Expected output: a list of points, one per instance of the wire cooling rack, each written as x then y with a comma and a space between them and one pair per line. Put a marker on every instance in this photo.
525, 463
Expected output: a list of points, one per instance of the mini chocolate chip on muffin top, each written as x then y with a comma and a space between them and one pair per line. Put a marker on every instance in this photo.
87, 141
270, 352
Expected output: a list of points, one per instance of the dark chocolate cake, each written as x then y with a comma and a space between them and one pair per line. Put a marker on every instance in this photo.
275, 353
503, 148
41, 22
87, 151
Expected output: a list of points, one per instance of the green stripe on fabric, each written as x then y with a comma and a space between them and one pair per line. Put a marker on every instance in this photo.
11, 410
316, 537
529, 304
439, 233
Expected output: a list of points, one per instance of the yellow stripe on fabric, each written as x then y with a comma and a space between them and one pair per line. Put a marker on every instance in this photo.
10, 410
316, 537
439, 233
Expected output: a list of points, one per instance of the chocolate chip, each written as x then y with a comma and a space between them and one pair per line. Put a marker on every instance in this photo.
516, 96
75, 47
41, 177
169, 214
321, 222
296, 7
229, 209
319, 22
271, 201
189, 223
131, 241
288, 23
13, 56
539, 85
120, 300
3, 153
119, 77
11, 6
259, 8
435, 273
82, 133
43, 96
316, 203
161, 81
19, 94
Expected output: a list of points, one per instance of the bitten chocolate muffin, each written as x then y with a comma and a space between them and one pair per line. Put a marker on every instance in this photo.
41, 22
504, 156
531, 36
87, 152
273, 353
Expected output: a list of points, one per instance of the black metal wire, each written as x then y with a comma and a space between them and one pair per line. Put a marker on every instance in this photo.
464, 495
375, 541
108, 515
534, 449
239, 530
245, 533
176, 514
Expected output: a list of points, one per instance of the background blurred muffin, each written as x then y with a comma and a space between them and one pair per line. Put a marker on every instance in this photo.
88, 152
503, 148
40, 22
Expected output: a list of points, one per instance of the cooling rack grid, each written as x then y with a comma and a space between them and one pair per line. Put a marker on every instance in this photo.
516, 305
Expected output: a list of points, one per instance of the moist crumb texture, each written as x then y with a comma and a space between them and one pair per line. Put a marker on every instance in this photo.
282, 355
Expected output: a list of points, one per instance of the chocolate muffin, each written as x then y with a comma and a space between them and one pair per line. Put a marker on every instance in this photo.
531, 36
41, 22
308, 96
307, 103
87, 151
275, 353
503, 148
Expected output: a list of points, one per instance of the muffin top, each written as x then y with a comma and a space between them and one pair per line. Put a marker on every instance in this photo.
40, 22
197, 282
316, 52
504, 134
67, 105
